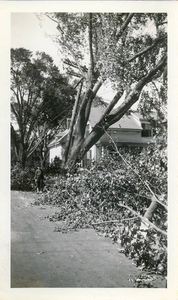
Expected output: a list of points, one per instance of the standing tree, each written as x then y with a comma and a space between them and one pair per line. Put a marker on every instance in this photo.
41, 98
155, 103
129, 50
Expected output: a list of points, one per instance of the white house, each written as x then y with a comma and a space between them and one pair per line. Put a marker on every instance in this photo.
131, 130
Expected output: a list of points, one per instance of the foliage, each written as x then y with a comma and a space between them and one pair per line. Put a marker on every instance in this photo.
22, 180
98, 101
146, 247
94, 198
153, 106
41, 97
127, 50
55, 167
111, 47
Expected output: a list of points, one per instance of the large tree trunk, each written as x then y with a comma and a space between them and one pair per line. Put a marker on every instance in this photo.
81, 144
71, 129
151, 209
74, 152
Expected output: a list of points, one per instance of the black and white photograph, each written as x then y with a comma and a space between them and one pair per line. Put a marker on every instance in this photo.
89, 141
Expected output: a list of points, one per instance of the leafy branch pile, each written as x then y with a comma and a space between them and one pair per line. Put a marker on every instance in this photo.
22, 180
99, 198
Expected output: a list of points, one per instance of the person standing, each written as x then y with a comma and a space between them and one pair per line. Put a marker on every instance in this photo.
39, 179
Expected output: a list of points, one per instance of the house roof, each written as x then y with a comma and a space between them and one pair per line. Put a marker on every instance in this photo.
126, 122
59, 137
131, 122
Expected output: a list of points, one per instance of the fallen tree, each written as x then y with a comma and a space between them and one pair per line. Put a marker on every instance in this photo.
105, 47
112, 198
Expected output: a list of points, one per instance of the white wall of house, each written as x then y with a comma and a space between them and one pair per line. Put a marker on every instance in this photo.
55, 151
129, 137
93, 152
59, 151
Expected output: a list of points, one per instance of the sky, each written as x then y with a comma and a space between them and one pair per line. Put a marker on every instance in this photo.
28, 32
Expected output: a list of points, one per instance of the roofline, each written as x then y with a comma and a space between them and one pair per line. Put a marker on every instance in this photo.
124, 129
129, 143
55, 143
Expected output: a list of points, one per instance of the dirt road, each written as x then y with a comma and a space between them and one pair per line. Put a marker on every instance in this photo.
41, 257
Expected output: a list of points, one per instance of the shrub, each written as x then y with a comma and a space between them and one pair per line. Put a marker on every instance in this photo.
55, 167
22, 180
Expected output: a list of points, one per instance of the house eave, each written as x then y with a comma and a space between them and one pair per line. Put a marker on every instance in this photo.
124, 129
58, 142
143, 142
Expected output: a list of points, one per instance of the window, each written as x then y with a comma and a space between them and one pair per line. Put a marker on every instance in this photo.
146, 132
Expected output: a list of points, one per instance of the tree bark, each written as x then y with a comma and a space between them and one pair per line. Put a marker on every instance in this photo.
145, 220
151, 209
81, 144
70, 134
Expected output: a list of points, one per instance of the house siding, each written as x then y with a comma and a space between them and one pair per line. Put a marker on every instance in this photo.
127, 131
93, 152
55, 151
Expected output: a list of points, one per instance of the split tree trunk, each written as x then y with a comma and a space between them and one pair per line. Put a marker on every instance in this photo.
81, 145
151, 209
